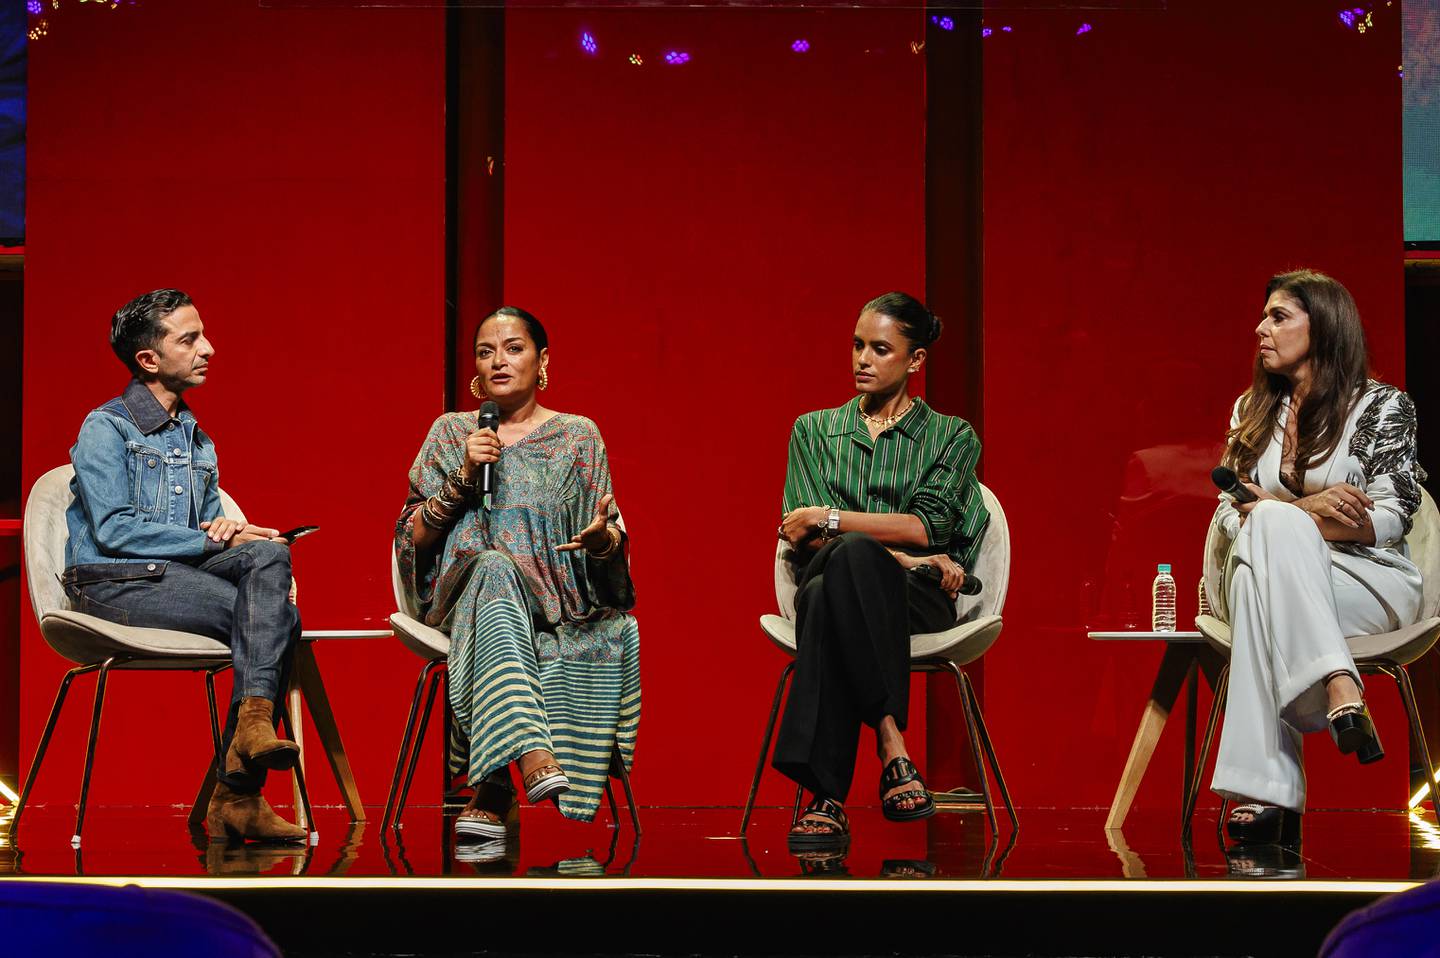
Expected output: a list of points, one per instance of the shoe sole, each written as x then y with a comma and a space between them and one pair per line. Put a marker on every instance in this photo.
479, 830
281, 759
1354, 740
552, 787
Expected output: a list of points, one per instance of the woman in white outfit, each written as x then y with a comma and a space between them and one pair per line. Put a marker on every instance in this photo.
1320, 556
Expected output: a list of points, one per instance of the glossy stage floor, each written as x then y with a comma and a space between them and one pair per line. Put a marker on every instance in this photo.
1062, 884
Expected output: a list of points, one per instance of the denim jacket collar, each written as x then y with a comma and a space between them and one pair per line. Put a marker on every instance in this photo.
145, 410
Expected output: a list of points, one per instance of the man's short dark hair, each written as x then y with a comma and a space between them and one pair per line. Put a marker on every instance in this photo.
137, 324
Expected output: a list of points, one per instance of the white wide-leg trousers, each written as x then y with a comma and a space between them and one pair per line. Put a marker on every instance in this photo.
1292, 602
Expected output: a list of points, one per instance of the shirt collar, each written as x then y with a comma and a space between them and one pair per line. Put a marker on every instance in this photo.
847, 420
145, 409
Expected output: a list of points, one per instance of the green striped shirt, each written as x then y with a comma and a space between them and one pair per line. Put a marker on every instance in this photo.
923, 465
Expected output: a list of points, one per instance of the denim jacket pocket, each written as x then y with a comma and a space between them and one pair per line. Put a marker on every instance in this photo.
113, 572
147, 475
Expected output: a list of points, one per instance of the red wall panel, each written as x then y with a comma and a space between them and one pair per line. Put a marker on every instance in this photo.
1143, 179
257, 159
698, 240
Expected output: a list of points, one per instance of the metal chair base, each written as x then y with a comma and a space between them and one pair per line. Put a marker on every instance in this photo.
104, 669
1217, 707
433, 676
981, 748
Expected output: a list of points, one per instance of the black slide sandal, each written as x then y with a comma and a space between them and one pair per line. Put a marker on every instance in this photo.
837, 827
901, 771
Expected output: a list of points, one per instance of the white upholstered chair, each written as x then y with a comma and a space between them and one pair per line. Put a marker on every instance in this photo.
1387, 653
433, 646
98, 645
977, 627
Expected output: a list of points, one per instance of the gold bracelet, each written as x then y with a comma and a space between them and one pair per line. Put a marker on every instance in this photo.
615, 539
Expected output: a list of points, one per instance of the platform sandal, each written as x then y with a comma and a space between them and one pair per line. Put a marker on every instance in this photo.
900, 772
831, 815
1354, 731
545, 781
1268, 825
493, 799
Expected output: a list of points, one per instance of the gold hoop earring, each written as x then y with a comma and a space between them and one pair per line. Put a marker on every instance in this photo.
544, 378
475, 388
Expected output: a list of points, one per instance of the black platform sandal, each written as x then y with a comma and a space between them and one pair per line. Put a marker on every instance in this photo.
1354, 731
1268, 825
901, 771
836, 833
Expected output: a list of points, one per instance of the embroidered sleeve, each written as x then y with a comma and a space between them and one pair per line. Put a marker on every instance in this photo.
1384, 443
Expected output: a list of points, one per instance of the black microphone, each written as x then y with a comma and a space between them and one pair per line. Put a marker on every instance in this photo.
489, 419
1227, 482
971, 586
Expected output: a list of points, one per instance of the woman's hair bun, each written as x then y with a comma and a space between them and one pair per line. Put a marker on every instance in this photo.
920, 326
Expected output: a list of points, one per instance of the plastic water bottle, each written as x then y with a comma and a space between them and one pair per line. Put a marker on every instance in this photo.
1162, 600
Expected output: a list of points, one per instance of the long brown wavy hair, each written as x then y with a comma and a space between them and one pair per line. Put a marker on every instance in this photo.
1340, 363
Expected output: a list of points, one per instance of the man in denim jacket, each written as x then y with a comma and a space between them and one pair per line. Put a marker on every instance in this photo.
149, 547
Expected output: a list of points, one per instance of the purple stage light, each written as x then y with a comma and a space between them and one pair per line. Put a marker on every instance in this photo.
34, 8
1084, 28
801, 46
1007, 29
588, 44
677, 58
985, 31
944, 23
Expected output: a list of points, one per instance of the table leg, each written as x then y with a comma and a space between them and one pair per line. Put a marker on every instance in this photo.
296, 714
1168, 679
307, 677
1192, 692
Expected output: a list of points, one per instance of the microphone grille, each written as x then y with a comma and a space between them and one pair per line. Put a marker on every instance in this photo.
489, 412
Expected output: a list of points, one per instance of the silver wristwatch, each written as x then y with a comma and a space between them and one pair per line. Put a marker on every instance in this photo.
832, 523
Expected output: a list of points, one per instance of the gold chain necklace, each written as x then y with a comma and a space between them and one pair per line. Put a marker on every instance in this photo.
886, 421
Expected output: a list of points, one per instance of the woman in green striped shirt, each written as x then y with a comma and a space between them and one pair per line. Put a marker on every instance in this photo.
883, 514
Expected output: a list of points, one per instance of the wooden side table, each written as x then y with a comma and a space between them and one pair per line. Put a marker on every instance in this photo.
1186, 655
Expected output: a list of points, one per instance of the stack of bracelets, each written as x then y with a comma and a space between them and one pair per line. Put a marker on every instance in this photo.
440, 511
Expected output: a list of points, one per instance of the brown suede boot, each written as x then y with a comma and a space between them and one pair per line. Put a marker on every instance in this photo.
249, 817
255, 742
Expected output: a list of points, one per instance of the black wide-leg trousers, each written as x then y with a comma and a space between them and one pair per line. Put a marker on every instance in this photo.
855, 612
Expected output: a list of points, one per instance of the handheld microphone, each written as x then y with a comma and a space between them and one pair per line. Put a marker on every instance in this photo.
489, 419
1227, 482
971, 586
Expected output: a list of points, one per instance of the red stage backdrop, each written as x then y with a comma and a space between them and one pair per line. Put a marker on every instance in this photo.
1143, 179
697, 238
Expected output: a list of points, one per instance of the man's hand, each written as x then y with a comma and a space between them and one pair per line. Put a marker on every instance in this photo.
234, 533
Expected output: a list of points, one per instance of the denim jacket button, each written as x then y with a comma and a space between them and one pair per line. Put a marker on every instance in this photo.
150, 567
179, 452
150, 463
179, 489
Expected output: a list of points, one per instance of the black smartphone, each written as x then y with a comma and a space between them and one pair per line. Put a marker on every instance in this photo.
290, 535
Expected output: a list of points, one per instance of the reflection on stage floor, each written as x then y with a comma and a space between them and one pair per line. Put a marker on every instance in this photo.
704, 843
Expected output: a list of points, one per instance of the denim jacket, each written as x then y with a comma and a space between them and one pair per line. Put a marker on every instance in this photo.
143, 484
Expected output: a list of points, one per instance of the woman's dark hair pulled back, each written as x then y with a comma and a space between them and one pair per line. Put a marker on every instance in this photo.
920, 326
532, 325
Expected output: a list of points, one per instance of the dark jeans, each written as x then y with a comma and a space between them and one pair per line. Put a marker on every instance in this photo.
855, 612
240, 596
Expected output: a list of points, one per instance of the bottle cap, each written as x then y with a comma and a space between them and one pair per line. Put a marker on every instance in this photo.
1163, 567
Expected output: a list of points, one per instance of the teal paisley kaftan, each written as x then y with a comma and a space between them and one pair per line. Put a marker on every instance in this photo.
543, 654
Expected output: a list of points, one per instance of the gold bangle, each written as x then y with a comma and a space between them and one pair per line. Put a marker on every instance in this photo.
615, 539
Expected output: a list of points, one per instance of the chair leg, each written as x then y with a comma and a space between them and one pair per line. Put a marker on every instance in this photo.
990, 754
799, 801
619, 764
415, 749
1407, 695
1192, 787
765, 746
614, 809
405, 742
90, 749
300, 781
212, 777
45, 744
962, 684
